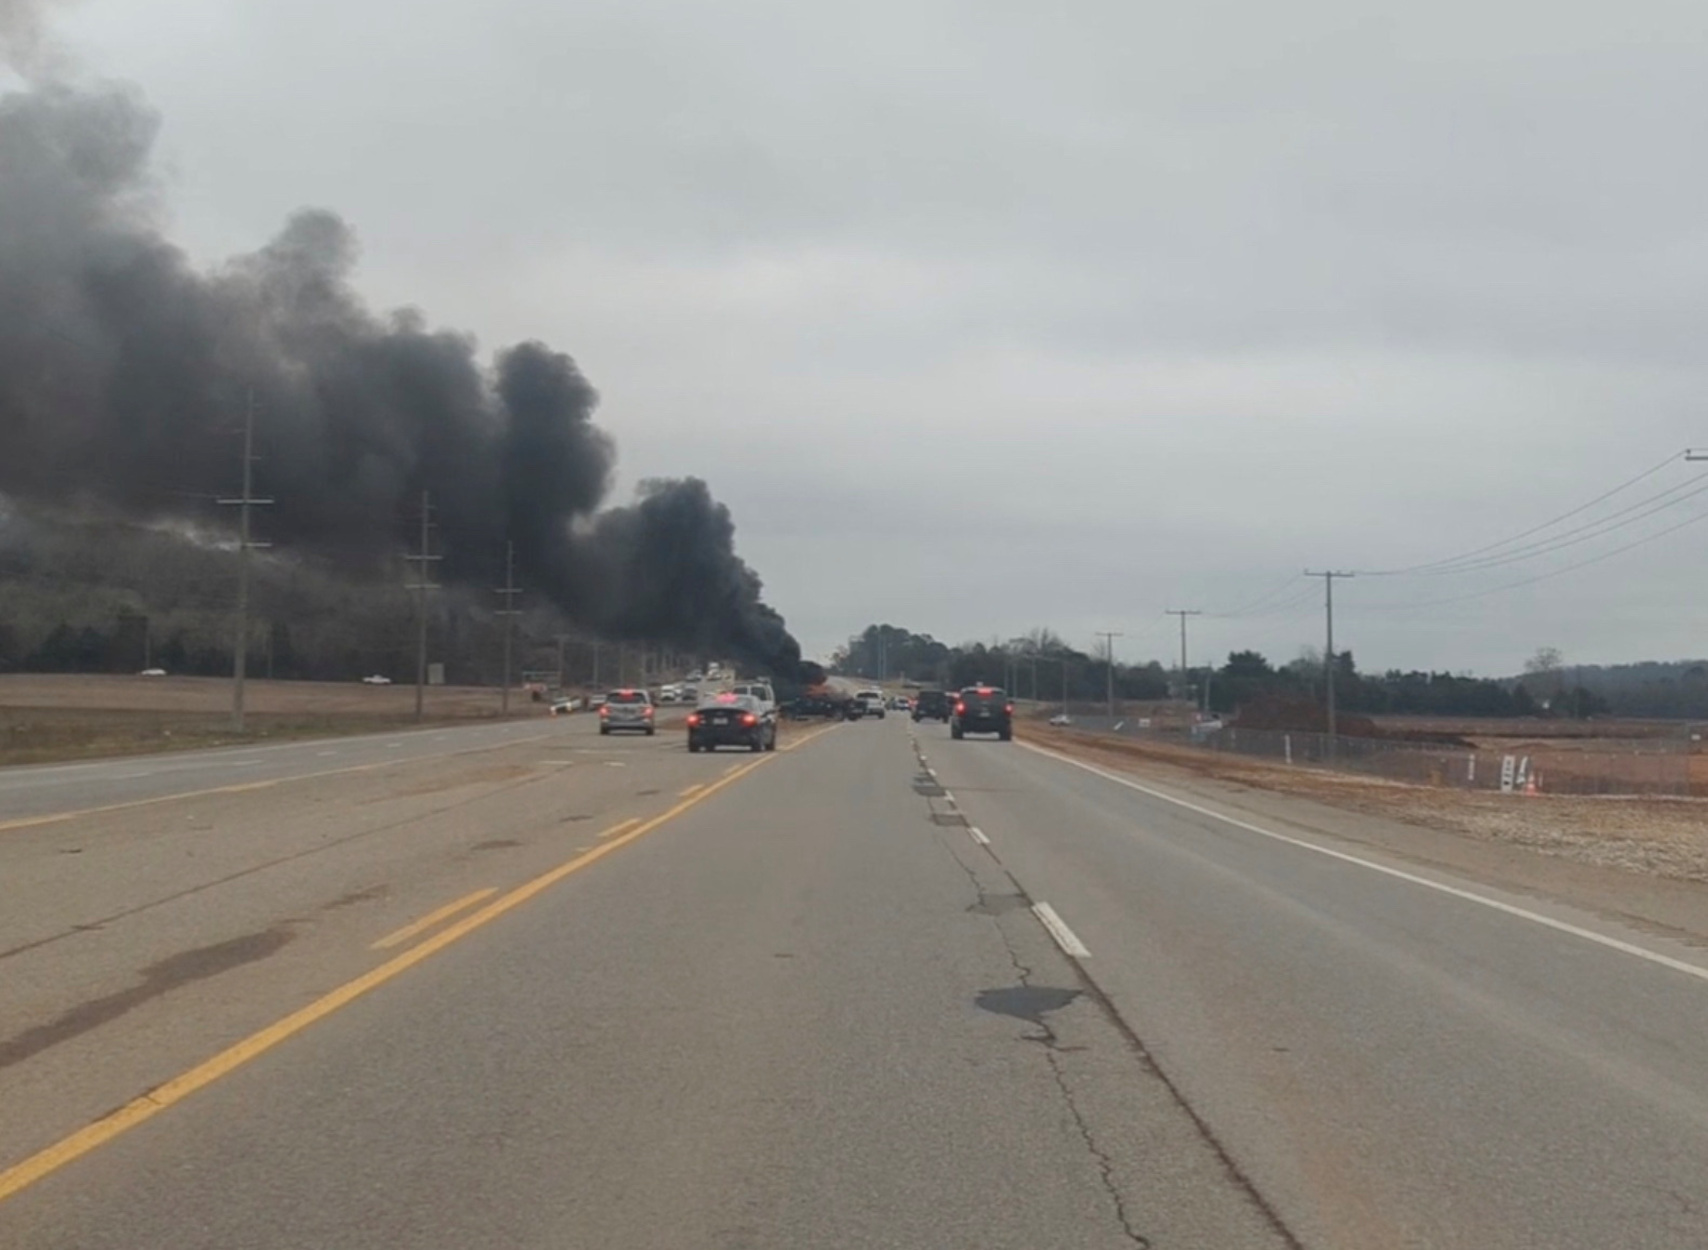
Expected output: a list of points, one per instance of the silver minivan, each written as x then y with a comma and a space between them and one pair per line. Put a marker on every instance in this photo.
626, 709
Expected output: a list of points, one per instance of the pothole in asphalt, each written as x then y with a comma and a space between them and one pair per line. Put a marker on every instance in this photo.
953, 819
928, 789
997, 905
495, 844
1030, 1003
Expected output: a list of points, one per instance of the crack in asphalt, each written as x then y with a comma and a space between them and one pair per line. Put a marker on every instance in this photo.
1053, 1050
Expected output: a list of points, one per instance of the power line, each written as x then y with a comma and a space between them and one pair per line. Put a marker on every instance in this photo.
1541, 577
1535, 529
1291, 583
1580, 534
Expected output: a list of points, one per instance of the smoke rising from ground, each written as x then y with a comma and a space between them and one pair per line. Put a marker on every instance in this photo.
125, 373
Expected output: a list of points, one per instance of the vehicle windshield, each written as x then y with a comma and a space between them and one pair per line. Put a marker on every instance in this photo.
627, 696
729, 700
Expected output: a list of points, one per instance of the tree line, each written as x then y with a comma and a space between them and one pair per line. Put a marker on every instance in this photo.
1041, 665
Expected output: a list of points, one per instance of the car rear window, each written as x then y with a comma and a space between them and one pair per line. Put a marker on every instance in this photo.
626, 696
988, 695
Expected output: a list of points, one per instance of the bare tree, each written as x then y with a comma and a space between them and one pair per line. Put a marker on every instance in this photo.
1547, 667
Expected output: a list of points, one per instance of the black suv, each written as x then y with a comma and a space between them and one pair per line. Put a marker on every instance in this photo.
932, 705
983, 710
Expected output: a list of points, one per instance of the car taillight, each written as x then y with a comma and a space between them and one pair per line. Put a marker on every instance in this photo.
693, 718
603, 710
648, 711
1009, 709
960, 709
748, 718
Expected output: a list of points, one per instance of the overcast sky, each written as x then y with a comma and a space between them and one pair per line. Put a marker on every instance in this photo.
986, 315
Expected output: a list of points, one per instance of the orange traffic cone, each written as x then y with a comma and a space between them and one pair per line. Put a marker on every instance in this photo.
1530, 786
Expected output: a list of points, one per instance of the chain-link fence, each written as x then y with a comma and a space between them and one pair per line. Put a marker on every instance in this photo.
1639, 766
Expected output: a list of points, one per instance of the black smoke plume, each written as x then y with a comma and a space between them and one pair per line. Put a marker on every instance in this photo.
125, 372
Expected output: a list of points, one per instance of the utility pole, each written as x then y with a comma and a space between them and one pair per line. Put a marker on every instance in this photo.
1109, 637
509, 613
240, 650
1183, 613
1328, 577
422, 584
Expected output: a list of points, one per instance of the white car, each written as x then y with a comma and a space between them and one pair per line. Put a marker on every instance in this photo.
757, 690
871, 702
152, 672
376, 679
1061, 718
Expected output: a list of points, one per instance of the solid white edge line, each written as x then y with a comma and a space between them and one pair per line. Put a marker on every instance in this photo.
1470, 896
977, 835
1057, 928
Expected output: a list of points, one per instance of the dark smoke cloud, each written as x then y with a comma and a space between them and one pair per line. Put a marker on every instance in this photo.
125, 371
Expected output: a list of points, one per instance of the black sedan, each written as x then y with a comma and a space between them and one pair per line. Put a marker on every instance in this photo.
737, 720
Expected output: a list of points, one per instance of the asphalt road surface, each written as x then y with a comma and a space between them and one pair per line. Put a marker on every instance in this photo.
528, 987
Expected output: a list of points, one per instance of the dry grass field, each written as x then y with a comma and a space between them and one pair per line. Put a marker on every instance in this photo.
45, 717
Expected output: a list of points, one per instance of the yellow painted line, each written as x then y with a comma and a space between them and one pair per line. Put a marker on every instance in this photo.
139, 1110
693, 789
817, 733
55, 818
620, 826
432, 918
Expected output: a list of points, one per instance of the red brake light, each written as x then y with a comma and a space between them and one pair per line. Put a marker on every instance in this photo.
693, 718
1009, 709
960, 708
647, 711
748, 718
604, 710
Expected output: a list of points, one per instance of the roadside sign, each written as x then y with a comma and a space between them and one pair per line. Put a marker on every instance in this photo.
1508, 771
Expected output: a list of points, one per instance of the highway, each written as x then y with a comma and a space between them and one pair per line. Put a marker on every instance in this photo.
523, 986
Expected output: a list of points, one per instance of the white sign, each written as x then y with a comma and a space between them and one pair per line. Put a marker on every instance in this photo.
1508, 768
